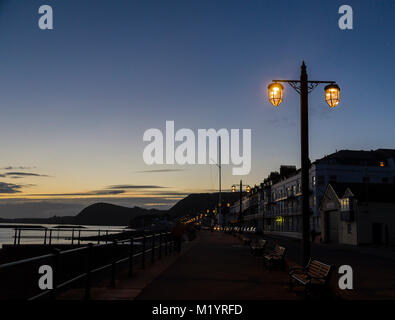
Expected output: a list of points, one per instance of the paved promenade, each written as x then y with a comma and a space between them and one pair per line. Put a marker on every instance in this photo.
214, 266
218, 266
373, 267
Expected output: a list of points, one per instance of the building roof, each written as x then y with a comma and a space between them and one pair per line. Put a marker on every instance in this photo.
359, 157
366, 192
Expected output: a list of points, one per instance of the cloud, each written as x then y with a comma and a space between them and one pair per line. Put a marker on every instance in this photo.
173, 193
18, 174
9, 187
88, 193
160, 170
17, 168
131, 186
108, 191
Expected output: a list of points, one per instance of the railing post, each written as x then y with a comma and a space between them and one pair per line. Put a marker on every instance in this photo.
160, 245
15, 235
19, 236
114, 263
98, 237
166, 239
50, 237
79, 237
143, 254
153, 248
131, 259
106, 236
72, 237
55, 272
45, 236
88, 267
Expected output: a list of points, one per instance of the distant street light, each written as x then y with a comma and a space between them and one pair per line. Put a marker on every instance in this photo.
248, 189
332, 97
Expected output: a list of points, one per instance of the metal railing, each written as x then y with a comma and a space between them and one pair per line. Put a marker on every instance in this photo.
158, 242
71, 235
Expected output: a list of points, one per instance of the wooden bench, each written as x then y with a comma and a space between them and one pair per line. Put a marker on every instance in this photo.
314, 276
258, 248
275, 258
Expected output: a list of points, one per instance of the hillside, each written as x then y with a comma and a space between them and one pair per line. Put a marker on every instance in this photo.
199, 202
101, 214
110, 214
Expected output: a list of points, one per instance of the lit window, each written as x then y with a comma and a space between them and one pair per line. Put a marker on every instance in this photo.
345, 204
382, 164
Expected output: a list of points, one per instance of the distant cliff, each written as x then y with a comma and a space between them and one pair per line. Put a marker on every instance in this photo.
199, 202
96, 214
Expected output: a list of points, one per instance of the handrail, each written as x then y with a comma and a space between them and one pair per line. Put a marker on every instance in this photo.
71, 233
131, 241
15, 263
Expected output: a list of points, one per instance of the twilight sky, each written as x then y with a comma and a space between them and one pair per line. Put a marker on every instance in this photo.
75, 101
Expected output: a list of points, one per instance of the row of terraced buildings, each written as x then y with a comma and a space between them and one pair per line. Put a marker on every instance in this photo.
342, 186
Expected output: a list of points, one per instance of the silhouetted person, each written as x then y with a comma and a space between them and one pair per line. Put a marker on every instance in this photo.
178, 232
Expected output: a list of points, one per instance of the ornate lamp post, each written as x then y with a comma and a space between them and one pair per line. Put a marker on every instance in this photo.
332, 97
248, 189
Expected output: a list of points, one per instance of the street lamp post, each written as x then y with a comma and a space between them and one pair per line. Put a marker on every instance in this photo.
304, 87
248, 188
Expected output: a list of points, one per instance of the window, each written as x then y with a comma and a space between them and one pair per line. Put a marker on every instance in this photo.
313, 181
349, 229
333, 178
321, 180
345, 204
366, 179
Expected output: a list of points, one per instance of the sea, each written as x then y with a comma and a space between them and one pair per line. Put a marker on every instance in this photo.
60, 234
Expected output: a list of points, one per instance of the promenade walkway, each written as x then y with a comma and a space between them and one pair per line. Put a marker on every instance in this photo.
215, 266
218, 266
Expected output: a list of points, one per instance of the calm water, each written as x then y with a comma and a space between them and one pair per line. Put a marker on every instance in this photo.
36, 236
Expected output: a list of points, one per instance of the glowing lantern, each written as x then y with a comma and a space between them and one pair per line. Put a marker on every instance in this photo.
332, 95
276, 94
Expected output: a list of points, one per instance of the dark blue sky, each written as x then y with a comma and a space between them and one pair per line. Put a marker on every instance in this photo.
75, 101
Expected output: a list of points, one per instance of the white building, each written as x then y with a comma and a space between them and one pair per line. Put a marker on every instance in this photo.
358, 213
276, 203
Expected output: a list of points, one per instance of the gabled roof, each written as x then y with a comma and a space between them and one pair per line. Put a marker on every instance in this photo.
366, 192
